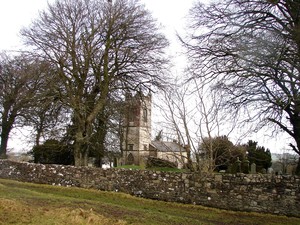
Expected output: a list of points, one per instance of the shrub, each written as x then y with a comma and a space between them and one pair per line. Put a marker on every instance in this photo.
156, 162
53, 152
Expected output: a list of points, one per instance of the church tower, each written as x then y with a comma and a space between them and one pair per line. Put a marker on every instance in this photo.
136, 129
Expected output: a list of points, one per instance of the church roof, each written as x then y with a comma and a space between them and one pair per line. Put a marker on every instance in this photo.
165, 146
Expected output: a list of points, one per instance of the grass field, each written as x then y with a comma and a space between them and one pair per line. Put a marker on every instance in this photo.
25, 203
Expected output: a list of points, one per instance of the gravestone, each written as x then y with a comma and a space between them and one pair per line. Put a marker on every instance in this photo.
270, 170
238, 164
245, 166
253, 168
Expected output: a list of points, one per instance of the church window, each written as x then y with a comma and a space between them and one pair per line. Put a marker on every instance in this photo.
131, 116
130, 147
145, 115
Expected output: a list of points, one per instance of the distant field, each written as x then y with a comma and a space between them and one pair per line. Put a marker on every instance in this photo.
25, 203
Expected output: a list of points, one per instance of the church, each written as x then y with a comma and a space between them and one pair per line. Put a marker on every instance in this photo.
137, 145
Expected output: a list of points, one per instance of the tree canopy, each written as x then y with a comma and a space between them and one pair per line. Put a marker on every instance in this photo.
53, 152
100, 50
221, 151
22, 82
258, 155
250, 51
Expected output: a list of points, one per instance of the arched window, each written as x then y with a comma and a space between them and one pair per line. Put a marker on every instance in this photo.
130, 159
145, 115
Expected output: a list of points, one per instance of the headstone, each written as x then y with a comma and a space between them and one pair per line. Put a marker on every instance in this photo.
245, 166
253, 168
290, 169
270, 170
238, 163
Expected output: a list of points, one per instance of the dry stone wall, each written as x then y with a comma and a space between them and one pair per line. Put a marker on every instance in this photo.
243, 192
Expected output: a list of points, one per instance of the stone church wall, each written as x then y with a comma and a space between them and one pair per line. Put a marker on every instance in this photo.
251, 192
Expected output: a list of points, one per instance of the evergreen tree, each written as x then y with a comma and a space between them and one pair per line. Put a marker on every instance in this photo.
258, 155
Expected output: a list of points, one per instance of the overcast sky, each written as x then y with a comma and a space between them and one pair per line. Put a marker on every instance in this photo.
16, 14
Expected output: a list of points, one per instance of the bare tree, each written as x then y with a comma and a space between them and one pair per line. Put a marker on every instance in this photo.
250, 51
98, 47
21, 81
48, 119
192, 115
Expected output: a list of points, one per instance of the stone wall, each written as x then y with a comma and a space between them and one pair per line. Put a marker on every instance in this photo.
251, 192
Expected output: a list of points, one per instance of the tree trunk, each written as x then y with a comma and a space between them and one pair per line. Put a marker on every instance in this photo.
3, 146
77, 158
298, 167
80, 155
296, 130
81, 147
38, 136
6, 128
39, 130
4, 140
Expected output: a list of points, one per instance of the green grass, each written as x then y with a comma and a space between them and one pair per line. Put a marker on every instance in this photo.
25, 203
